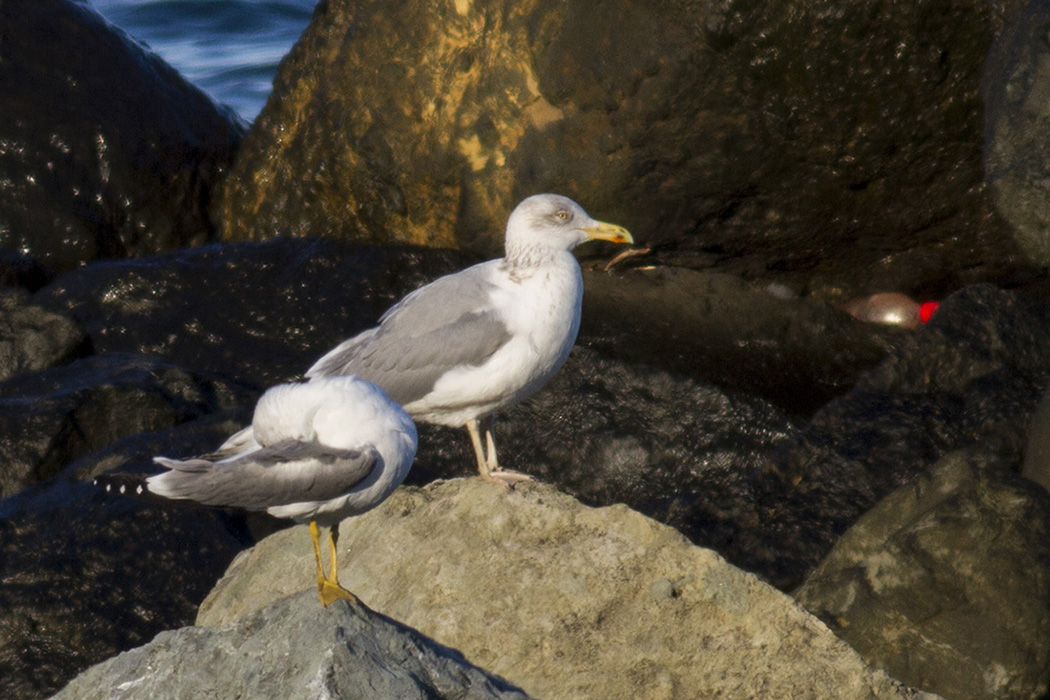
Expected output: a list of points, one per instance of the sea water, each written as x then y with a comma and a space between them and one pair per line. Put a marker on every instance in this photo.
229, 48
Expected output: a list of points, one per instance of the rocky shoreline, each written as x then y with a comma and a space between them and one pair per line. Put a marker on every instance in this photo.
724, 435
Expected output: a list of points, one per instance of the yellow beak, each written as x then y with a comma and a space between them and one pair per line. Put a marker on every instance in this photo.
608, 232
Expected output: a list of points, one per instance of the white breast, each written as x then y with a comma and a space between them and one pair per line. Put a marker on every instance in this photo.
542, 314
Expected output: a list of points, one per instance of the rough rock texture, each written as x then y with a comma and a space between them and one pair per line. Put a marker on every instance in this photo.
837, 146
1017, 129
51, 417
84, 576
1036, 464
564, 600
258, 313
946, 582
32, 338
263, 313
798, 352
105, 150
973, 375
292, 649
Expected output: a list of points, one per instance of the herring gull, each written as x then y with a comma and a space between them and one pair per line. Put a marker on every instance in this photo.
468, 344
316, 452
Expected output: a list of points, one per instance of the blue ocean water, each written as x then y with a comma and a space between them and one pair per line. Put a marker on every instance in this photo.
230, 48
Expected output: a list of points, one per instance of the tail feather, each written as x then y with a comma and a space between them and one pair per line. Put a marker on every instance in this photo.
135, 486
126, 485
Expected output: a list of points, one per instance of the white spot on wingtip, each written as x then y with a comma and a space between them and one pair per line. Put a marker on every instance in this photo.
122, 489
139, 489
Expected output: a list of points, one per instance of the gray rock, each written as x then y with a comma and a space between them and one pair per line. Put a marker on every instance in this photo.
108, 151
839, 149
564, 600
292, 649
946, 582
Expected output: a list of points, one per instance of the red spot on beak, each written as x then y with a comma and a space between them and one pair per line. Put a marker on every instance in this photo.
926, 310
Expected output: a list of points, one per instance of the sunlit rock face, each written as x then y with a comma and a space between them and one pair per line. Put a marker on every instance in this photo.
839, 145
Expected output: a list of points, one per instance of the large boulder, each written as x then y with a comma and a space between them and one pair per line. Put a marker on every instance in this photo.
946, 582
564, 600
835, 147
51, 417
256, 313
974, 374
105, 150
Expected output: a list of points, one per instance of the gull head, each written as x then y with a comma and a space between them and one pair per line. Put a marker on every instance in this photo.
551, 222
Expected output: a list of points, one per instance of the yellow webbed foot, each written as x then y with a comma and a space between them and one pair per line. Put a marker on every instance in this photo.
331, 591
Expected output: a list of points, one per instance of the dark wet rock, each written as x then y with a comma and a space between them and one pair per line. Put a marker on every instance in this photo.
105, 150
85, 575
946, 582
682, 452
32, 338
263, 313
20, 270
797, 352
1036, 464
257, 313
973, 375
1017, 128
51, 417
836, 147
293, 649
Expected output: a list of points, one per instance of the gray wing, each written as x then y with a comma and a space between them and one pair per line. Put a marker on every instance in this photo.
241, 441
286, 472
446, 324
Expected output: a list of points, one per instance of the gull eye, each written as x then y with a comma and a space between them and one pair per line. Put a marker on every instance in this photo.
562, 215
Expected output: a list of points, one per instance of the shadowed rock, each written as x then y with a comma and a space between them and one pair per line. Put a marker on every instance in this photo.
1017, 129
797, 352
51, 417
946, 582
32, 338
85, 575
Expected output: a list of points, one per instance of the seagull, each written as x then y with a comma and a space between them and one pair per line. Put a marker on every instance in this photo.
316, 452
471, 343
